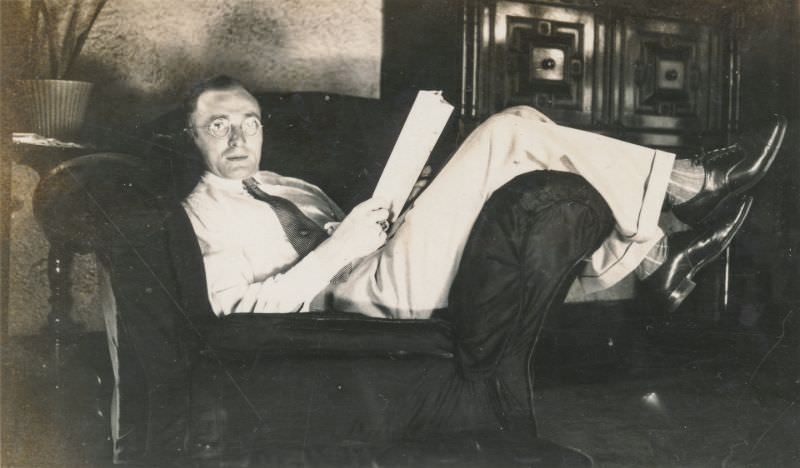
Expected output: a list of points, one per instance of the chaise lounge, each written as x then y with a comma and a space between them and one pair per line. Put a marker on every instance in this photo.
318, 389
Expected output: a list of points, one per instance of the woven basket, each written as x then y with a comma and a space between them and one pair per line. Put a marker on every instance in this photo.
53, 108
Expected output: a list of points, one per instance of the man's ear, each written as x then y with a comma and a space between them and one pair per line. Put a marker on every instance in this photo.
189, 130
186, 146
189, 137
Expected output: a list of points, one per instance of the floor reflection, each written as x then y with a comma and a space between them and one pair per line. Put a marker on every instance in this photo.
683, 397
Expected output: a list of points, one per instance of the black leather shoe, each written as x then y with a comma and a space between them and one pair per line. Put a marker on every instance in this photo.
731, 171
689, 252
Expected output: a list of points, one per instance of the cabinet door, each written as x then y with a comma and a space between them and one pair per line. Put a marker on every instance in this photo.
548, 57
670, 75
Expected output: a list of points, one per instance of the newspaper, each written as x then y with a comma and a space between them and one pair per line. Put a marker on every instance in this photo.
422, 128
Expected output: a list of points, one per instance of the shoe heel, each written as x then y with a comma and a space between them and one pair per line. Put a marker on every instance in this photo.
681, 292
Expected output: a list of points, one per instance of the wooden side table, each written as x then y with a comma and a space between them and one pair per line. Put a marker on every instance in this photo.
43, 155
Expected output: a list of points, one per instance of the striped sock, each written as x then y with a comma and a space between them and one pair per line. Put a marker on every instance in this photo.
654, 259
685, 181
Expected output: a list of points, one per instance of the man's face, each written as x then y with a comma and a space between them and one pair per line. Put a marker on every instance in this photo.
235, 156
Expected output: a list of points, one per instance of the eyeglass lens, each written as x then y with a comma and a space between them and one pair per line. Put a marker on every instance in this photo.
221, 127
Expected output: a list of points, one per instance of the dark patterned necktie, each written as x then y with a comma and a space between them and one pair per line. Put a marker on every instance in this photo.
303, 233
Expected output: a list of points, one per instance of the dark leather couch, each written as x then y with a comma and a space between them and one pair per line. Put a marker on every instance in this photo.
318, 389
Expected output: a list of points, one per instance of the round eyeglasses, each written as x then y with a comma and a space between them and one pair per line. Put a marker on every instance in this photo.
221, 127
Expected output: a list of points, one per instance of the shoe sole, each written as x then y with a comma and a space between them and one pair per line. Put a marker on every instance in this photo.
781, 133
680, 292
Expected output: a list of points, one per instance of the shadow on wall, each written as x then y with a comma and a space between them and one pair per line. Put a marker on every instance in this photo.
141, 70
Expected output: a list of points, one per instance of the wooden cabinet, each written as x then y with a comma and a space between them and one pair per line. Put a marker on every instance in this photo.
659, 74
662, 76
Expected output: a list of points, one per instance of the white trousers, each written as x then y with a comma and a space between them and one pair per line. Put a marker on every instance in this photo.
411, 275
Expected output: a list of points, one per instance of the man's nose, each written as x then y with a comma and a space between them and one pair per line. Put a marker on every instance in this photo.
237, 136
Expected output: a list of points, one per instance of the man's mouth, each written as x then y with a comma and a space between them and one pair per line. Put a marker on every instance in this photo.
236, 157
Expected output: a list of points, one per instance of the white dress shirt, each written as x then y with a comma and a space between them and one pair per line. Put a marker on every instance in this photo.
245, 248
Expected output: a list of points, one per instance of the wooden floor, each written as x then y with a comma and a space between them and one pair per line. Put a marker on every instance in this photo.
680, 405
673, 398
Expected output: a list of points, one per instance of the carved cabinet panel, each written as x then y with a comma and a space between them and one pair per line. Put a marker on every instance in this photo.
670, 75
547, 59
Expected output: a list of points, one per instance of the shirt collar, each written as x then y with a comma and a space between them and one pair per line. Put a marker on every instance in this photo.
228, 185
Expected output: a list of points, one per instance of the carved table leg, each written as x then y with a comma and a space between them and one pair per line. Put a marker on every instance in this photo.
59, 324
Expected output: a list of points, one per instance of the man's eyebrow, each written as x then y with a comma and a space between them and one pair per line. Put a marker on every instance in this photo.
227, 116
217, 116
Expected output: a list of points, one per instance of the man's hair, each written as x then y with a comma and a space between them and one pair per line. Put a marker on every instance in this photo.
215, 83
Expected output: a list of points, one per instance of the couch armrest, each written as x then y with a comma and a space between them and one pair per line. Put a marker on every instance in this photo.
80, 201
115, 206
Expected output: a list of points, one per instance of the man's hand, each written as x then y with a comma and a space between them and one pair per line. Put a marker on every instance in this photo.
361, 231
359, 234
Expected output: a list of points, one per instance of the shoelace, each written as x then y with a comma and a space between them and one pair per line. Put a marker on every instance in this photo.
698, 159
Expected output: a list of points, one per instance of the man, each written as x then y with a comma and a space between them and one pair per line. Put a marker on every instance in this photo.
256, 261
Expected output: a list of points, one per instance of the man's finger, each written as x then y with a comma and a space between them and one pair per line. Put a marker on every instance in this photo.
372, 204
384, 225
378, 215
